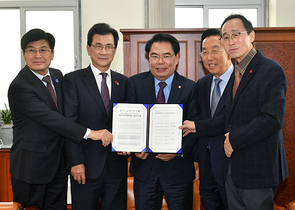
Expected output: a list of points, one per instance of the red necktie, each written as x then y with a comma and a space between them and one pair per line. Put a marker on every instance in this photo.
237, 81
50, 89
104, 92
161, 97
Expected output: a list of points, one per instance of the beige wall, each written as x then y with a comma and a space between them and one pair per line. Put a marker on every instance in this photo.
119, 14
285, 14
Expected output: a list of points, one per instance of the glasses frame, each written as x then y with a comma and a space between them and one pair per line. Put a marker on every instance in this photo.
233, 36
40, 51
99, 48
213, 52
165, 57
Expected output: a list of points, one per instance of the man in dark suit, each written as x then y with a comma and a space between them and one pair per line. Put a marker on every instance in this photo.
211, 95
156, 175
96, 172
37, 163
255, 111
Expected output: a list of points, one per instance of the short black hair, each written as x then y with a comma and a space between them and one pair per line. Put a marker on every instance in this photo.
207, 33
247, 23
162, 37
102, 29
35, 35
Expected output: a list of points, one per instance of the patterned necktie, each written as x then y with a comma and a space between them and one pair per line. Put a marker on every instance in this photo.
104, 91
215, 95
50, 89
237, 81
161, 97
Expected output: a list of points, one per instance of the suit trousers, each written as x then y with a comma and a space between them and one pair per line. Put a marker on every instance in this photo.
51, 196
149, 193
248, 199
112, 192
213, 195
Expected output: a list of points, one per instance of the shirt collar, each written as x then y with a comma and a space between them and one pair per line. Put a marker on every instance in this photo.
242, 66
226, 75
96, 71
39, 75
168, 81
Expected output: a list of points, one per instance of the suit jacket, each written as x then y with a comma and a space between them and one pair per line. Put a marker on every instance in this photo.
217, 154
255, 118
141, 89
83, 104
38, 128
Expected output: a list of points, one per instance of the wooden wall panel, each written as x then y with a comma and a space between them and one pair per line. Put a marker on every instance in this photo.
277, 43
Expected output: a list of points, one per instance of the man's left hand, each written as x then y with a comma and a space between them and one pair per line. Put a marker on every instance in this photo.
227, 146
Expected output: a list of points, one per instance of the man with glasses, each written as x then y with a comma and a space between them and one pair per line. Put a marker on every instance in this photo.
96, 172
254, 144
211, 96
156, 175
37, 163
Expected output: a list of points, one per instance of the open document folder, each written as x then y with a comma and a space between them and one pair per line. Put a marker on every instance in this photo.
147, 127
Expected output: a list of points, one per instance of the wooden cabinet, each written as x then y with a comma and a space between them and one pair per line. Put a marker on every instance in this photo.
5, 180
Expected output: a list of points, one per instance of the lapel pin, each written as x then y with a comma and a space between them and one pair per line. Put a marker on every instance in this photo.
179, 87
117, 83
56, 80
250, 71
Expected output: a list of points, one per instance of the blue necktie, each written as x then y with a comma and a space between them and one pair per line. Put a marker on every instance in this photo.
215, 95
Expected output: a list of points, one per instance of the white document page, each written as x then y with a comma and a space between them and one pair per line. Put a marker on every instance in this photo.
129, 127
164, 134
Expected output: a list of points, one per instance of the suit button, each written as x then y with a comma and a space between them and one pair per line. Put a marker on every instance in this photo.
230, 125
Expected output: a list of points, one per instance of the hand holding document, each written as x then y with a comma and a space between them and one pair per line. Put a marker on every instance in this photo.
147, 127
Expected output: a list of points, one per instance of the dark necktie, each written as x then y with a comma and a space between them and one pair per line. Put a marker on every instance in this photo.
50, 89
237, 81
105, 92
161, 96
215, 95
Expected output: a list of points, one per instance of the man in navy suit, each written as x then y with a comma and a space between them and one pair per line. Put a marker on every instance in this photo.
96, 172
209, 151
37, 164
171, 175
254, 144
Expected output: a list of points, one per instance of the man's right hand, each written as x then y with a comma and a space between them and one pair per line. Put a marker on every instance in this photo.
78, 172
142, 155
104, 135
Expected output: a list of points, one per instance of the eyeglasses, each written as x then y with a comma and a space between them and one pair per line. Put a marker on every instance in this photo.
233, 36
99, 47
213, 52
40, 51
165, 58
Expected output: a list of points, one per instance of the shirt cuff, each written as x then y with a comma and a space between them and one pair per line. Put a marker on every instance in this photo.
87, 133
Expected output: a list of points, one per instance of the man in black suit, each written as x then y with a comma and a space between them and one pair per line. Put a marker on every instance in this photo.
211, 95
156, 175
255, 111
37, 164
96, 172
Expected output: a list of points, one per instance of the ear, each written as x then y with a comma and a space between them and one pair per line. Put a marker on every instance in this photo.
252, 36
177, 57
52, 55
88, 49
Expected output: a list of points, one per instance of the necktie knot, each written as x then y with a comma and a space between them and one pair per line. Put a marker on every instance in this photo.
47, 79
104, 75
161, 96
